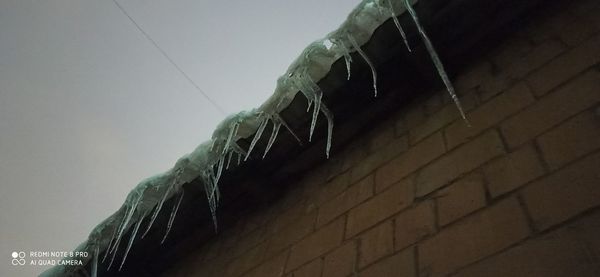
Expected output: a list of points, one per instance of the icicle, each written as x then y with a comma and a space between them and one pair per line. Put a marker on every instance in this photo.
131, 239
212, 203
112, 239
239, 159
220, 164
238, 149
127, 217
232, 133
310, 102
279, 119
436, 61
229, 159
172, 216
274, 133
398, 26
366, 58
329, 115
312, 89
257, 136
162, 201
347, 57
212, 193
120, 234
94, 272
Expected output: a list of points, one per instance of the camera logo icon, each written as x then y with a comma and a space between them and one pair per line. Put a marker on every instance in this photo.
18, 258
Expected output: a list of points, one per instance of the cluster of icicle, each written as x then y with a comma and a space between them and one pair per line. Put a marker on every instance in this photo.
210, 159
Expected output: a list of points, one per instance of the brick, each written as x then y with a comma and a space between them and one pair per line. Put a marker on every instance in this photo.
382, 136
462, 160
312, 269
354, 195
489, 114
293, 214
460, 198
565, 67
247, 261
441, 118
479, 236
565, 193
414, 116
340, 262
376, 209
257, 220
434, 102
414, 158
535, 59
376, 243
273, 267
366, 166
400, 128
248, 241
414, 224
576, 137
393, 149
473, 76
576, 31
401, 264
565, 252
215, 267
576, 96
289, 234
212, 250
496, 83
375, 160
354, 155
513, 49
588, 9
316, 244
332, 188
513, 170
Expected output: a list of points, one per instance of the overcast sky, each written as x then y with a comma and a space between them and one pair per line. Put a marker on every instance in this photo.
88, 106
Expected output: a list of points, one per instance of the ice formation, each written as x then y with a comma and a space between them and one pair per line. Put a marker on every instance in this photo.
208, 161
132, 239
436, 60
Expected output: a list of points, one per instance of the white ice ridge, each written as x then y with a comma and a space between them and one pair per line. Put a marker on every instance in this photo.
211, 158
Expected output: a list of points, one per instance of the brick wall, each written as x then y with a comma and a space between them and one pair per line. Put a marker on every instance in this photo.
515, 194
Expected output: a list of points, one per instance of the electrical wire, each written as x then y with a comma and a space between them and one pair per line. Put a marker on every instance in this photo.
164, 53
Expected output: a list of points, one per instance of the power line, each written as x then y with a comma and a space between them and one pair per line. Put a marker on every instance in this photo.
187, 77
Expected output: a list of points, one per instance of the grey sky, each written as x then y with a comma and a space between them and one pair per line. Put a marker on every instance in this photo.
88, 107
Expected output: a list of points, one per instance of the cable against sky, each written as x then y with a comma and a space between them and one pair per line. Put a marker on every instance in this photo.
187, 77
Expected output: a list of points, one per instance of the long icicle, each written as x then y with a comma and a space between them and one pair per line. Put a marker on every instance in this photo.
278, 118
132, 239
329, 115
161, 202
366, 58
229, 155
220, 165
257, 136
111, 240
172, 216
119, 236
232, 133
127, 217
347, 57
94, 272
208, 181
312, 89
398, 26
436, 61
274, 133
213, 201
